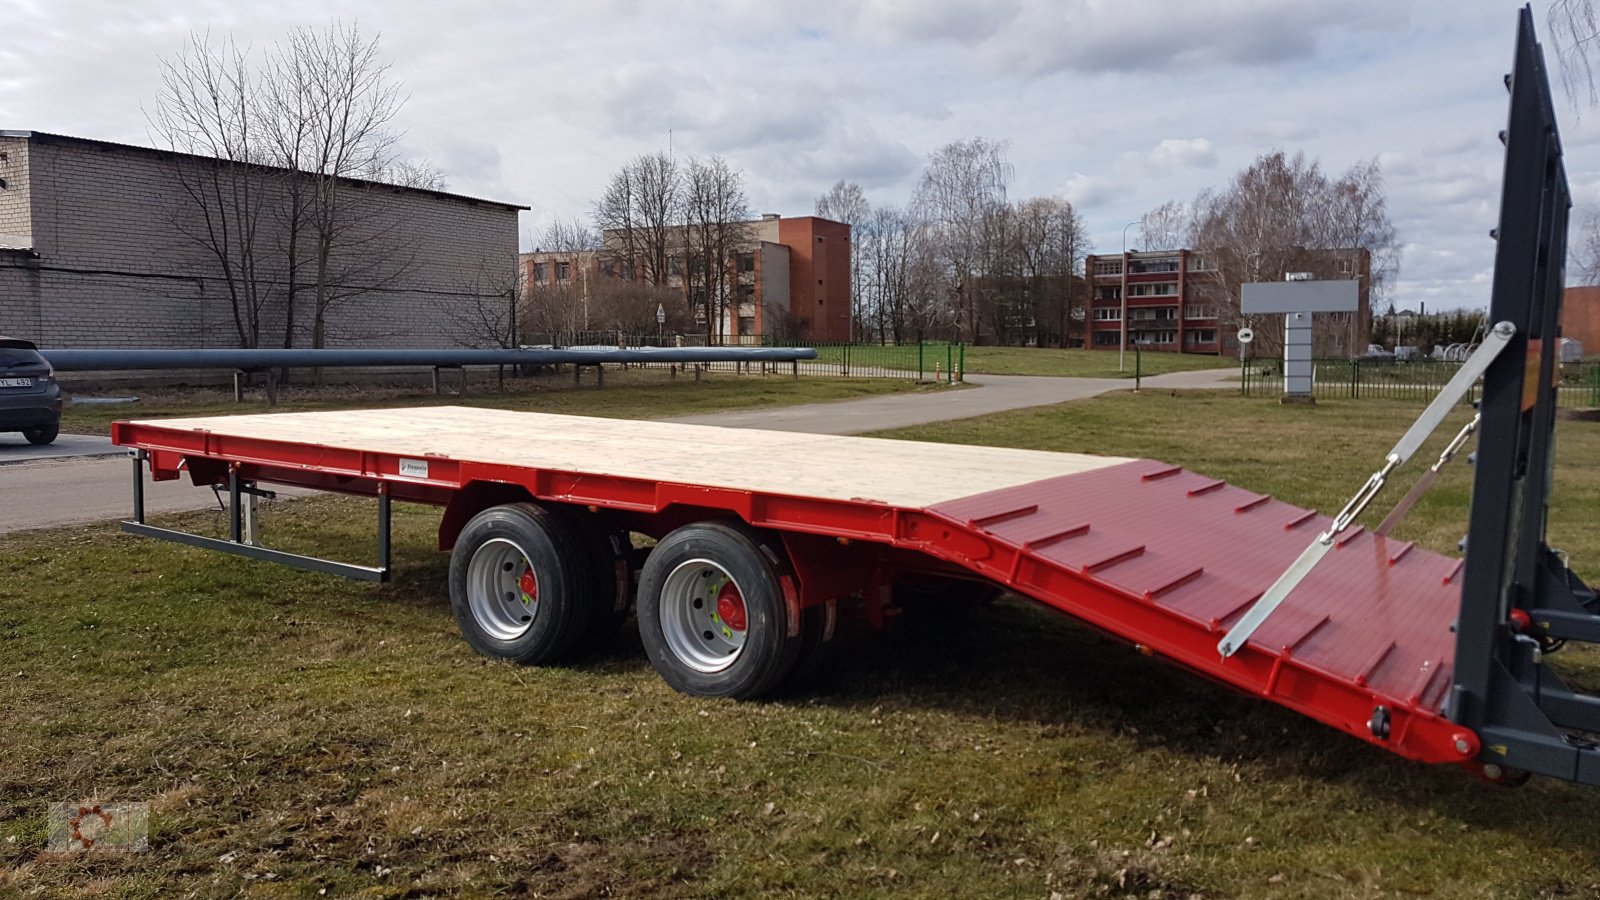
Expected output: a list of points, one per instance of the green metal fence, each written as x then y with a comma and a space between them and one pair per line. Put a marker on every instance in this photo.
1411, 380
926, 361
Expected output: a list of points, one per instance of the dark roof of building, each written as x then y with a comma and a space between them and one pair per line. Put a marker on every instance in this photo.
47, 137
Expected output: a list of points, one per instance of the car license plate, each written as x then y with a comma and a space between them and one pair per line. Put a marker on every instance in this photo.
16, 382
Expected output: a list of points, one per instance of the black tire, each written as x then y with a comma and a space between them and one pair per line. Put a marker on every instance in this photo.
609, 555
42, 434
496, 614
684, 582
816, 648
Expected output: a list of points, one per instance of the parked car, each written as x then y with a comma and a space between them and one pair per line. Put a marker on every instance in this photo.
30, 399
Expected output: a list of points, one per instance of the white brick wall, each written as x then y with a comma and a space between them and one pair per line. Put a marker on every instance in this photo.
116, 269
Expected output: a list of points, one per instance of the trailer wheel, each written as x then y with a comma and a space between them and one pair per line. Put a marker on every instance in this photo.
518, 585
712, 614
611, 572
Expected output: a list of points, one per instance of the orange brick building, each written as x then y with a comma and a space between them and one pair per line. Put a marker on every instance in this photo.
790, 278
1580, 317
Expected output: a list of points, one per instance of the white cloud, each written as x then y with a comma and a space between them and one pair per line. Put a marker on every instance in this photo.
1183, 153
1119, 106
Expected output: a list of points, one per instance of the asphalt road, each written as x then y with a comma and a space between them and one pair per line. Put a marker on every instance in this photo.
15, 448
81, 480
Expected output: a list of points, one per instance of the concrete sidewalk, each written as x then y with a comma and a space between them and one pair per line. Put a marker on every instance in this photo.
986, 394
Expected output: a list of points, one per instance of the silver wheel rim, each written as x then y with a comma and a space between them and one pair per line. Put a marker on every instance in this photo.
695, 632
495, 589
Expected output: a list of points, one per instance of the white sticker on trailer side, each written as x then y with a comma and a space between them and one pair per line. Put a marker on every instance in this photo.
414, 468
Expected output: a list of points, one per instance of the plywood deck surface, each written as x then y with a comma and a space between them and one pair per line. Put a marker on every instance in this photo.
899, 473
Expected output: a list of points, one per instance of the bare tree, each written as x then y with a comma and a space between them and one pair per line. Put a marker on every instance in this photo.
489, 316
1281, 214
205, 108
1574, 30
1051, 242
284, 195
351, 99
562, 301
630, 306
1585, 251
846, 202
716, 231
957, 195
639, 211
1166, 227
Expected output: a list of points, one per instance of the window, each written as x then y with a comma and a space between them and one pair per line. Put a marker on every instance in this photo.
1111, 293
541, 272
1346, 267
1152, 265
1153, 314
747, 262
608, 267
1164, 289
1199, 263
1198, 311
563, 271
674, 266
1108, 268
1105, 338
1161, 337
1104, 314
747, 324
1200, 336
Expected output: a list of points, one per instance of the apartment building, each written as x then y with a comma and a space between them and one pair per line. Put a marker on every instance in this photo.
789, 278
1177, 301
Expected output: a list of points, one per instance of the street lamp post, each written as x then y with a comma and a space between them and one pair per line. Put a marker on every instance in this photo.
1122, 345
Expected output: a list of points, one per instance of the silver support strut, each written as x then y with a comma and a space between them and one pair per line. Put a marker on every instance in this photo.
1458, 386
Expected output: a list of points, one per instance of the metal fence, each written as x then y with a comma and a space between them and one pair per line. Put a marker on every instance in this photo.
925, 361
1412, 380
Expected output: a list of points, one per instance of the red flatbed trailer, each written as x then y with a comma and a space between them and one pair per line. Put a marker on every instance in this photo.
1164, 558
764, 536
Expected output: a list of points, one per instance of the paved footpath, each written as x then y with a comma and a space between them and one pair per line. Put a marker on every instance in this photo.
988, 394
83, 479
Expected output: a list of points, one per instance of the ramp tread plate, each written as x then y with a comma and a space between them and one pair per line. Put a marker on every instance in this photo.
1372, 613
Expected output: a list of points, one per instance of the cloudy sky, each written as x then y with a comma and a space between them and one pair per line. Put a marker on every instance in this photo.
1117, 105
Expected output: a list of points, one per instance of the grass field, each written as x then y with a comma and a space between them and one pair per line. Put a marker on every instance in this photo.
634, 393
296, 733
1014, 360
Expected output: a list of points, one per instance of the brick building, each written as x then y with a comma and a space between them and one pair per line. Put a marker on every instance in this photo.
790, 278
1178, 302
1580, 317
98, 250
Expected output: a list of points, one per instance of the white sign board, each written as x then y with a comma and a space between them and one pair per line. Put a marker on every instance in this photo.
1300, 297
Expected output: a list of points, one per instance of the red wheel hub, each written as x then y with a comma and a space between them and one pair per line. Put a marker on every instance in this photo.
529, 585
730, 607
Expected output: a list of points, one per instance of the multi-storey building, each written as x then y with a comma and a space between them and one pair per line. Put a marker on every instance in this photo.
1172, 302
788, 278
1178, 302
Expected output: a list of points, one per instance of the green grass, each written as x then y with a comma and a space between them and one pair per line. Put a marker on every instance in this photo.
1012, 360
1084, 363
296, 733
626, 394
